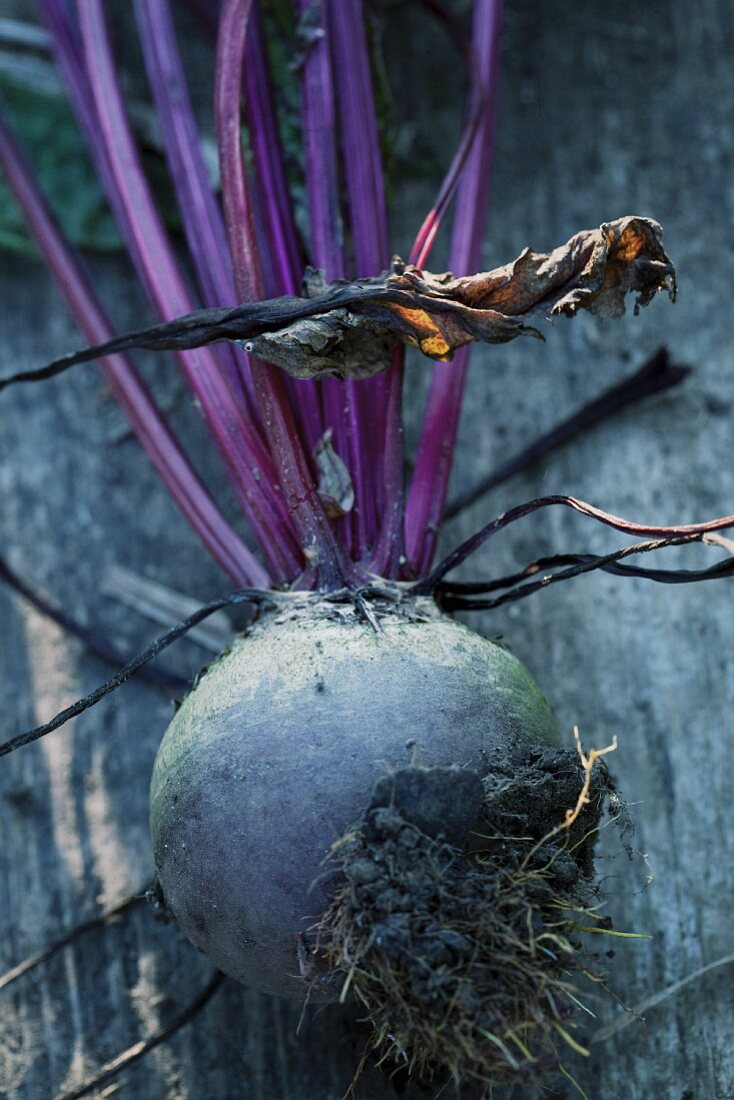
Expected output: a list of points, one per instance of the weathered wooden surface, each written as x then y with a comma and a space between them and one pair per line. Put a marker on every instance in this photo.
606, 110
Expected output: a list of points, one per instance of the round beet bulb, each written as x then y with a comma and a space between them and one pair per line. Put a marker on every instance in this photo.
277, 750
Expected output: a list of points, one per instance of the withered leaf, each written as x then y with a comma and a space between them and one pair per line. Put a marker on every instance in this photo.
335, 485
349, 329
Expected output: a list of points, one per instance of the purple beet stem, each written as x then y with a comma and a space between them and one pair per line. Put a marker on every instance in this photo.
316, 536
280, 252
367, 400
388, 557
427, 493
235, 432
321, 160
131, 393
477, 112
284, 254
113, 151
366, 416
199, 210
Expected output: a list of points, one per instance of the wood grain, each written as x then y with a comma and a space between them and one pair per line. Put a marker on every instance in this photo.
606, 108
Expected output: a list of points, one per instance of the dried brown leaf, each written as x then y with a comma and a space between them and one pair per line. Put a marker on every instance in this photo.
350, 329
438, 314
335, 484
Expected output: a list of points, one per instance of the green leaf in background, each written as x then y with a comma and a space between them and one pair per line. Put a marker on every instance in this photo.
45, 125
49, 135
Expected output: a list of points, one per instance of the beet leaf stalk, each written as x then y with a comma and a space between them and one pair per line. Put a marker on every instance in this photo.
267, 428
316, 461
126, 385
88, 70
429, 484
309, 516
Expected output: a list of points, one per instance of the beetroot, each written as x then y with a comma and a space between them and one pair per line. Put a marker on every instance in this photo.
275, 753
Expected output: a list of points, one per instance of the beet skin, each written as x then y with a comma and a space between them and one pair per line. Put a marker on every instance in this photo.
277, 750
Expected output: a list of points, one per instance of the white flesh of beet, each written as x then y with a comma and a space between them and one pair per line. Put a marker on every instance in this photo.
276, 752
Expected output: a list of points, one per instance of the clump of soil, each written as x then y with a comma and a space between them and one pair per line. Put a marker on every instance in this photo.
456, 910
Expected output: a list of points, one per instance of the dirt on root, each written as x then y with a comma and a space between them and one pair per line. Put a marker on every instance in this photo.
457, 909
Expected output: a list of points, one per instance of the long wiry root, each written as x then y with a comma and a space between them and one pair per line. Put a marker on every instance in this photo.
465, 956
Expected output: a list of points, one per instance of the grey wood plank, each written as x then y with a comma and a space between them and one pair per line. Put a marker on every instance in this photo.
606, 109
